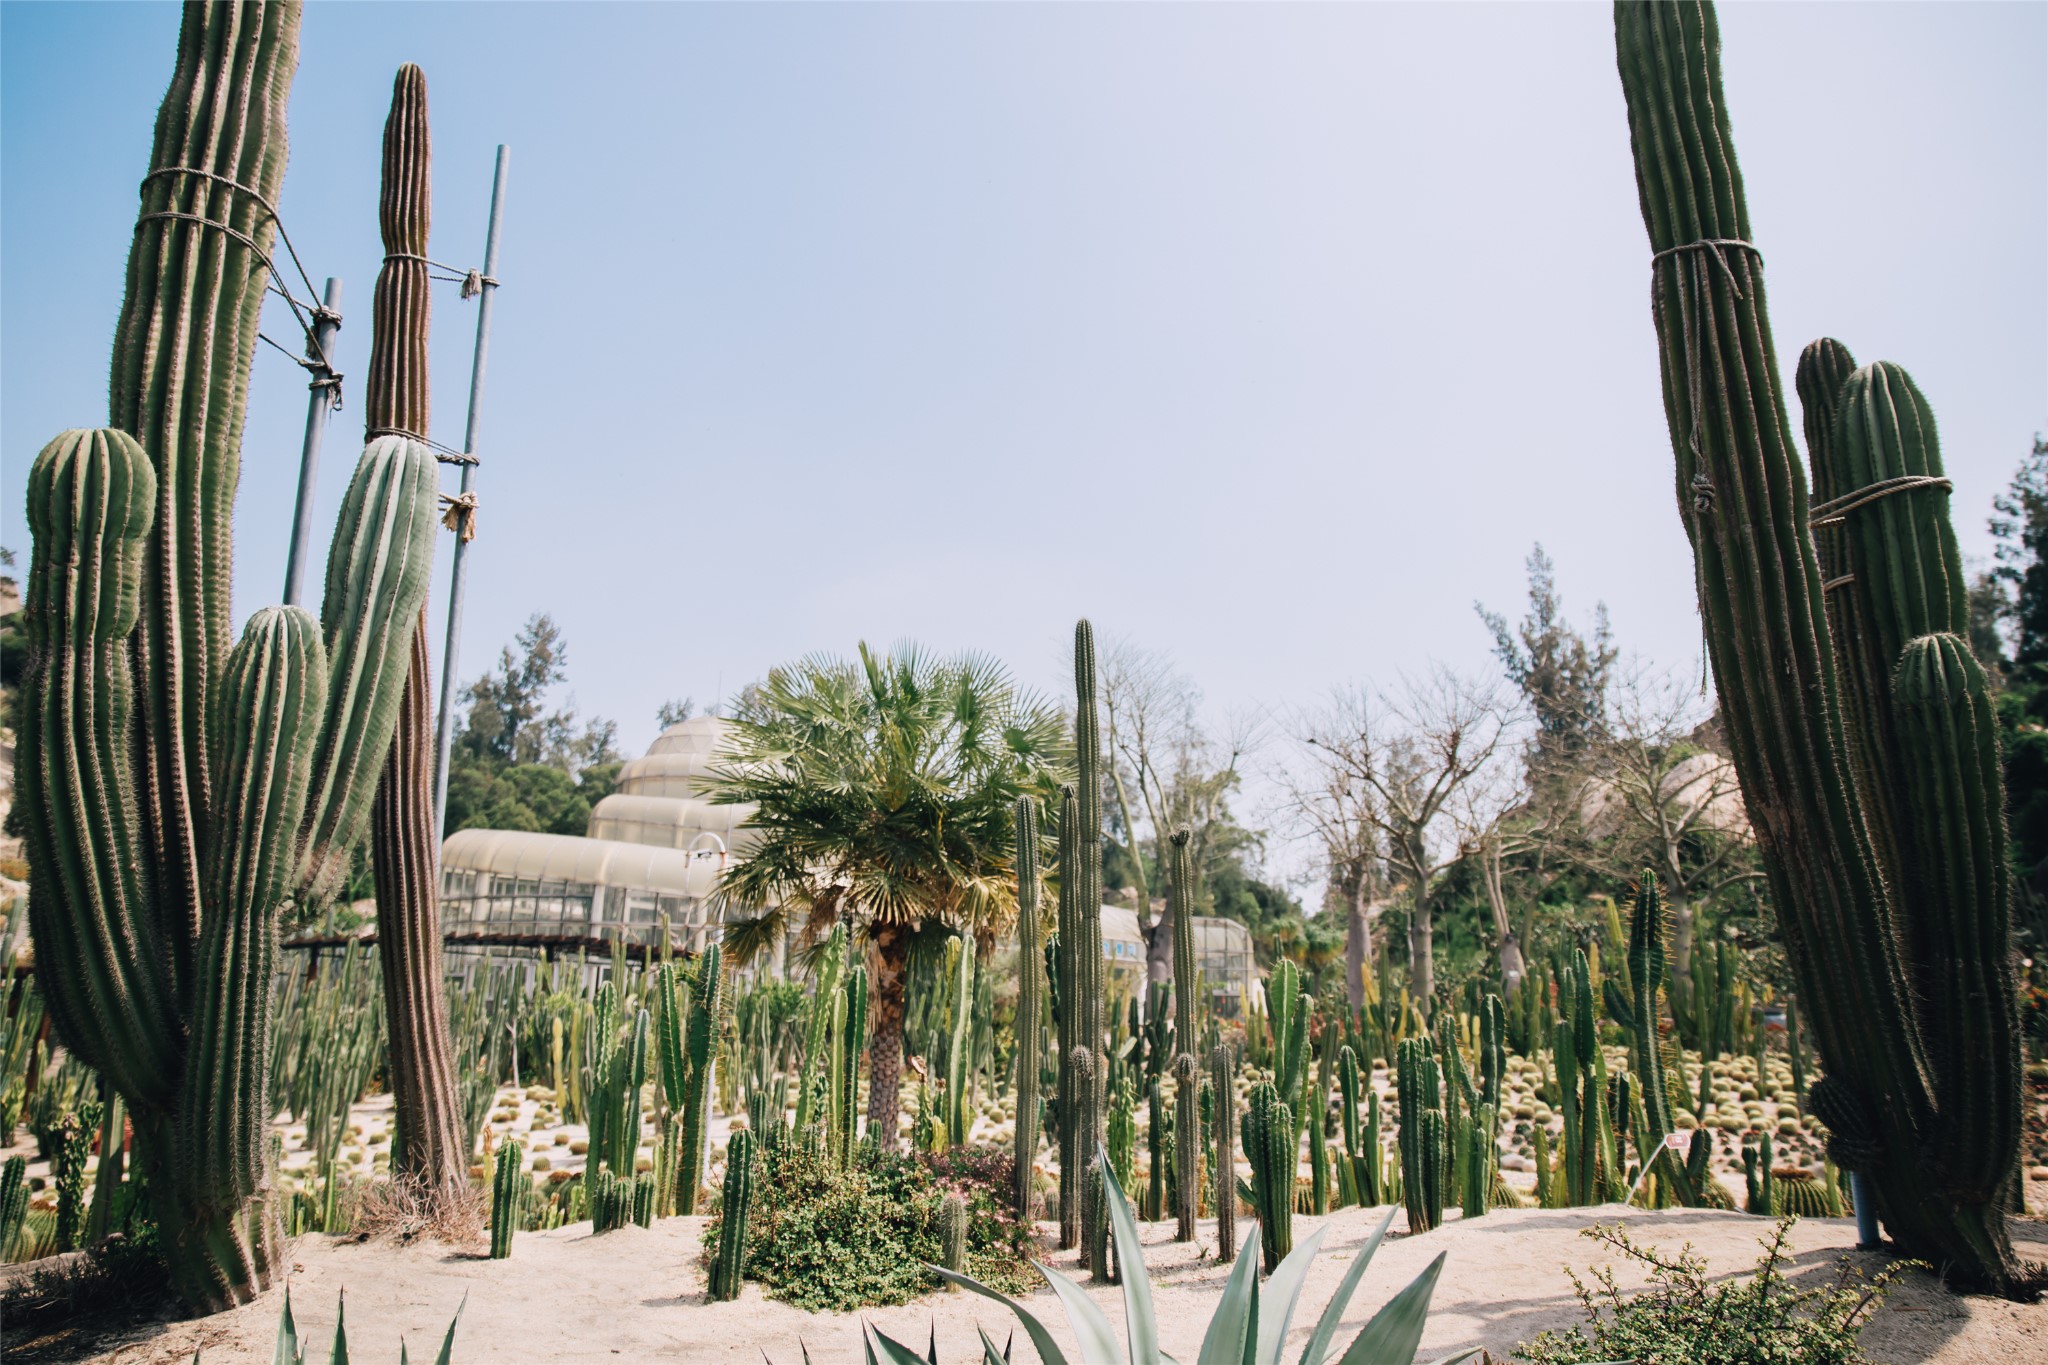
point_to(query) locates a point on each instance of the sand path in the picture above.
(638, 1295)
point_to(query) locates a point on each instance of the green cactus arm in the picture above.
(104, 957)
(179, 382)
(1948, 749)
(378, 573)
(270, 704)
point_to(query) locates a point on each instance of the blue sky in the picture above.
(1268, 337)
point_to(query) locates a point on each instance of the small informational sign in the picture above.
(1679, 1141)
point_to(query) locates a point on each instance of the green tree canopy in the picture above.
(884, 788)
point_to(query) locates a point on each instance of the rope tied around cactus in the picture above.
(307, 313)
(471, 280)
(458, 514)
(444, 454)
(1835, 511)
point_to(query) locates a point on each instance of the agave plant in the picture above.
(1249, 1326)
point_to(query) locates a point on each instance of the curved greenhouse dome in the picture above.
(514, 885)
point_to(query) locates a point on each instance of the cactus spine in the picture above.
(1223, 1126)
(506, 1179)
(431, 1141)
(1030, 1001)
(1187, 1120)
(1874, 779)
(736, 1203)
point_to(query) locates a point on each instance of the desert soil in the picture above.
(638, 1295)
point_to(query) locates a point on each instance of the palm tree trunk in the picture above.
(885, 1047)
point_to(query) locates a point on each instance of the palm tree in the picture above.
(885, 790)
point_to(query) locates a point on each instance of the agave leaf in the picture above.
(1223, 1343)
(1283, 1289)
(1396, 1330)
(288, 1352)
(1139, 1322)
(896, 1351)
(989, 1354)
(1049, 1352)
(1326, 1327)
(1458, 1357)
(338, 1353)
(1091, 1327)
(448, 1342)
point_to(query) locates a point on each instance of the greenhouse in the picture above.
(519, 888)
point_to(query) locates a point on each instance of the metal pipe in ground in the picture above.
(444, 730)
(326, 387)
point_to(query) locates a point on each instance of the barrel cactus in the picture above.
(1860, 724)
(181, 795)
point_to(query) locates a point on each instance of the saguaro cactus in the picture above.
(1030, 1001)
(1869, 763)
(1187, 1099)
(431, 1144)
(179, 795)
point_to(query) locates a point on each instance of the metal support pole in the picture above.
(444, 731)
(326, 392)
(1867, 1238)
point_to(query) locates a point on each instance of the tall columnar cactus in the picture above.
(1030, 1002)
(1648, 968)
(1589, 1160)
(13, 1204)
(1424, 1137)
(1067, 1026)
(953, 1234)
(1158, 1152)
(706, 999)
(849, 1043)
(1270, 1144)
(431, 1146)
(815, 1083)
(959, 1053)
(179, 795)
(1187, 1121)
(1223, 1130)
(507, 1178)
(1873, 784)
(1089, 995)
(736, 1204)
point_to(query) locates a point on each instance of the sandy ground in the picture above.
(638, 1295)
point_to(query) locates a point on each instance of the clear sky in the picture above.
(1271, 337)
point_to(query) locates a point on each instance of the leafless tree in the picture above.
(1428, 760)
(1327, 799)
(1652, 794)
(1182, 774)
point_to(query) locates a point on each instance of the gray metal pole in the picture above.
(444, 730)
(320, 358)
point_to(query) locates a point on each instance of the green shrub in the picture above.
(827, 1238)
(1683, 1318)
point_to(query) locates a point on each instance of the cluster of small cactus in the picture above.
(736, 1202)
(1591, 1160)
(1860, 722)
(618, 1075)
